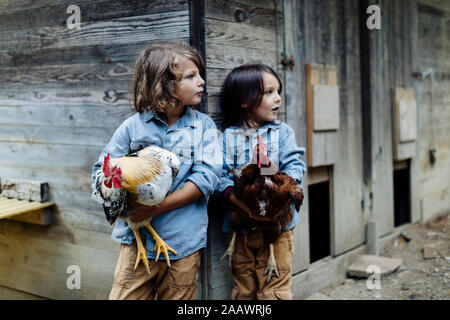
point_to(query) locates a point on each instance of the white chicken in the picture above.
(145, 176)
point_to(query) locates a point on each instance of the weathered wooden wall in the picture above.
(332, 37)
(316, 32)
(388, 60)
(62, 94)
(433, 96)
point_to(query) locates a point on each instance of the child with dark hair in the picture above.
(250, 101)
(168, 81)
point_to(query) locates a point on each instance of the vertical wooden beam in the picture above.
(295, 89)
(366, 93)
(197, 40)
(415, 171)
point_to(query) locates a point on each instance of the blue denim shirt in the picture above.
(194, 138)
(238, 146)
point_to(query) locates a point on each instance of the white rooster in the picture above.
(145, 176)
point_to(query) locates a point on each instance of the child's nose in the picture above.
(201, 82)
(277, 97)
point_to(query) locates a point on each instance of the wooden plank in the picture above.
(10, 207)
(23, 259)
(435, 8)
(99, 76)
(294, 96)
(321, 144)
(114, 95)
(39, 155)
(67, 231)
(110, 53)
(153, 27)
(62, 179)
(403, 164)
(242, 13)
(406, 149)
(236, 35)
(90, 11)
(24, 189)
(326, 107)
(12, 294)
(347, 220)
(44, 134)
(227, 57)
(67, 115)
(318, 175)
(40, 217)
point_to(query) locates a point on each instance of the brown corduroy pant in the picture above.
(250, 261)
(163, 283)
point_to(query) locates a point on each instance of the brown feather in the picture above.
(277, 191)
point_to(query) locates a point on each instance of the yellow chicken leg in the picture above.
(160, 244)
(141, 251)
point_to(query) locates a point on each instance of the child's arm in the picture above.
(290, 154)
(179, 198)
(203, 180)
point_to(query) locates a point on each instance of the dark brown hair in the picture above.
(156, 75)
(243, 85)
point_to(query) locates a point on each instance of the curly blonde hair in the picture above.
(156, 75)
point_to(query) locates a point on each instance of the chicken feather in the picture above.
(269, 199)
(145, 176)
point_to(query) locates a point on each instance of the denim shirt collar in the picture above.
(187, 119)
(252, 132)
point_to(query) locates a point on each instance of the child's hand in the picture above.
(139, 212)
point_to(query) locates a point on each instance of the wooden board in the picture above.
(321, 144)
(26, 211)
(405, 124)
(23, 15)
(326, 107)
(319, 174)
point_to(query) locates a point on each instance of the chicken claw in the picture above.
(230, 250)
(160, 245)
(271, 264)
(141, 252)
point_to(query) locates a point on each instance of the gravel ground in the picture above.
(417, 278)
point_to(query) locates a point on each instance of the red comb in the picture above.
(262, 153)
(106, 166)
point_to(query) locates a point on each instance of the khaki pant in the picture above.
(250, 262)
(163, 283)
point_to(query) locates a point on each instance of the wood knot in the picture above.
(240, 16)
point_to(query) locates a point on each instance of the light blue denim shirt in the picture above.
(195, 139)
(279, 138)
